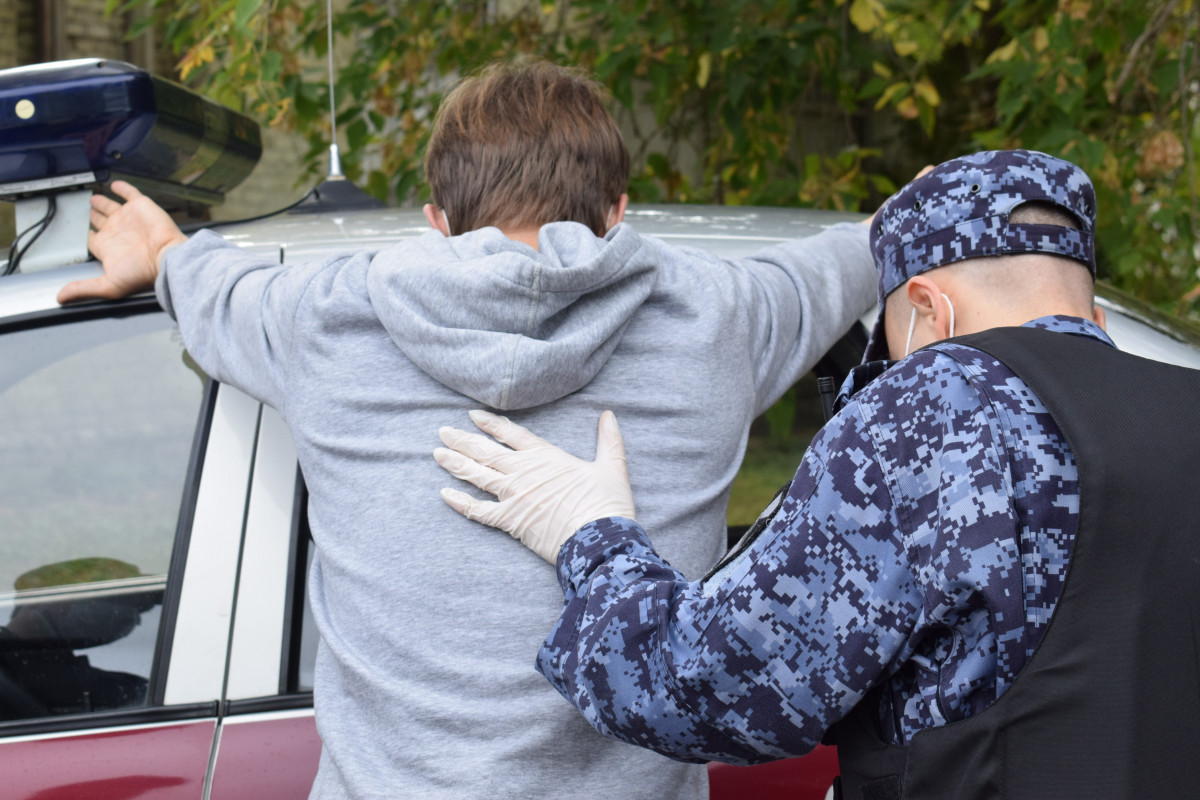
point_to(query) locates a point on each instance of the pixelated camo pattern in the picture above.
(960, 210)
(923, 544)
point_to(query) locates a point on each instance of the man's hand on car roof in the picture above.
(129, 239)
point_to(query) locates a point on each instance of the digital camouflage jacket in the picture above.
(921, 546)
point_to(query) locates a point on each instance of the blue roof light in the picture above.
(91, 120)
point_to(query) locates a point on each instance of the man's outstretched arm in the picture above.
(236, 309)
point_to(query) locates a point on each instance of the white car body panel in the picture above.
(262, 586)
(202, 627)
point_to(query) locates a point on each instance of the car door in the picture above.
(123, 493)
(267, 744)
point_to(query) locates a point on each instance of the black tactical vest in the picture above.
(1108, 706)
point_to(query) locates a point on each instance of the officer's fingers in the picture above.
(470, 471)
(505, 430)
(609, 444)
(473, 446)
(475, 510)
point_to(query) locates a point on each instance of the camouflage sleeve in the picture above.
(757, 660)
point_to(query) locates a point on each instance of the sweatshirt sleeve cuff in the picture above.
(201, 240)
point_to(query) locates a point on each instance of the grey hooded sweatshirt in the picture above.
(430, 623)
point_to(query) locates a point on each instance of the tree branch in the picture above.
(1152, 30)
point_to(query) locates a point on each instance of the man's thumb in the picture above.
(90, 289)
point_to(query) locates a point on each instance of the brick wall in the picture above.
(89, 34)
(8, 33)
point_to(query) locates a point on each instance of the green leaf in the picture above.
(140, 25)
(377, 185)
(246, 9)
(658, 165)
(271, 64)
(1106, 38)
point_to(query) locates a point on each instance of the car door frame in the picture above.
(169, 745)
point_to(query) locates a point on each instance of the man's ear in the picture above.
(1099, 317)
(926, 298)
(616, 214)
(436, 219)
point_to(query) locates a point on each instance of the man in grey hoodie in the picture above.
(543, 305)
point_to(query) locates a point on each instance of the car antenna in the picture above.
(335, 161)
(335, 193)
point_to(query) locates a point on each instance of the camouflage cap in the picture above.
(959, 210)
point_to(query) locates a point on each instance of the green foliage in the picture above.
(828, 103)
(1113, 86)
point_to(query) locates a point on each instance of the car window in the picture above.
(97, 419)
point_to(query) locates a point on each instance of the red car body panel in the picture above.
(806, 778)
(266, 758)
(166, 762)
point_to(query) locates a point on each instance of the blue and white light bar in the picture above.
(72, 123)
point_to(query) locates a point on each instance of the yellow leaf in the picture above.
(703, 69)
(881, 70)
(866, 14)
(1005, 53)
(1041, 40)
(196, 57)
(284, 105)
(889, 93)
(907, 108)
(906, 48)
(927, 92)
(983, 5)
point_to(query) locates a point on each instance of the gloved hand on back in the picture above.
(544, 494)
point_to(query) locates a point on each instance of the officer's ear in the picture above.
(1099, 317)
(933, 311)
(922, 295)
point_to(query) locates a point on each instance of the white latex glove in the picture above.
(545, 494)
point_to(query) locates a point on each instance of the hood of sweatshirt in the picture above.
(507, 325)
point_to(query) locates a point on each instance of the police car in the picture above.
(154, 636)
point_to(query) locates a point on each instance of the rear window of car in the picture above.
(97, 419)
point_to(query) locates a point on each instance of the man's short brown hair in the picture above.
(519, 146)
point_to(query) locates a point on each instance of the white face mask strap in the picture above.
(446, 219)
(912, 324)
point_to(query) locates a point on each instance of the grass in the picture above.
(770, 463)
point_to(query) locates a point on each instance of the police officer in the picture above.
(984, 578)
